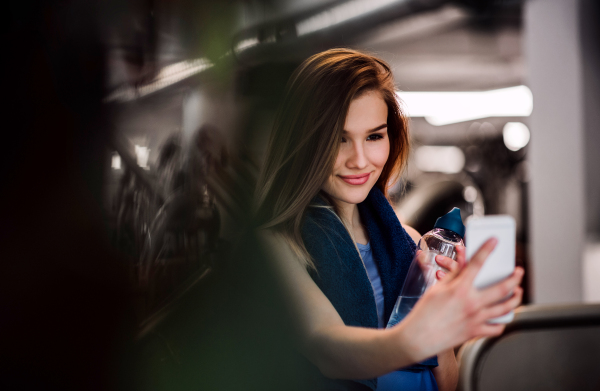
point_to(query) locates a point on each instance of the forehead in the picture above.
(366, 112)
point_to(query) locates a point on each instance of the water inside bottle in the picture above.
(403, 306)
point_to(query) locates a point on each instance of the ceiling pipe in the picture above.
(341, 22)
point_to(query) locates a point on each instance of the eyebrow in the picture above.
(382, 126)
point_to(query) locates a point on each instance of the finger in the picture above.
(478, 259)
(460, 262)
(505, 307)
(499, 291)
(461, 257)
(447, 263)
(440, 274)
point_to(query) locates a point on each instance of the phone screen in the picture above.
(501, 262)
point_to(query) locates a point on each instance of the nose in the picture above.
(357, 158)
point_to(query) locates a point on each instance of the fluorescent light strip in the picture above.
(340, 13)
(167, 76)
(443, 108)
(245, 44)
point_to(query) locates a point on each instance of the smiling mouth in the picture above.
(360, 179)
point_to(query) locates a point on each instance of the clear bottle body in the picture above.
(442, 241)
(422, 272)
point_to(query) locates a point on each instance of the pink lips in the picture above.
(355, 179)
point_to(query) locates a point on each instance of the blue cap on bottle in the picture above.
(452, 222)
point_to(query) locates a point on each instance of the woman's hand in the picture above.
(449, 264)
(454, 311)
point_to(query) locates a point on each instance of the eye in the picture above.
(374, 137)
(343, 139)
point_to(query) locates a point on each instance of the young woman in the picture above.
(339, 141)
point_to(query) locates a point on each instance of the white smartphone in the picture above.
(501, 262)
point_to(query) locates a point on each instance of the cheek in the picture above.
(381, 154)
(339, 162)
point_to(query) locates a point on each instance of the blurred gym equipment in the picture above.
(545, 348)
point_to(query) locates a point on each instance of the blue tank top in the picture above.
(404, 380)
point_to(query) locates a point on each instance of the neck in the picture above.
(349, 214)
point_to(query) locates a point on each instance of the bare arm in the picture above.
(413, 233)
(447, 315)
(446, 373)
(339, 351)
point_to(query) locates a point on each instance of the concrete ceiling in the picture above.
(444, 50)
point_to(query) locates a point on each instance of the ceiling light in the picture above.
(516, 135)
(245, 44)
(116, 161)
(442, 108)
(167, 76)
(142, 154)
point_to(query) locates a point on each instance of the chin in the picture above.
(355, 196)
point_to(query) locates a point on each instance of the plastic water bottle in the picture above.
(447, 233)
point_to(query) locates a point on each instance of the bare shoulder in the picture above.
(312, 308)
(414, 234)
(269, 238)
(285, 258)
(275, 243)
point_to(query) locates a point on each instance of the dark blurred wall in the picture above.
(67, 308)
(64, 297)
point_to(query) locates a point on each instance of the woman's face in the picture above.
(364, 150)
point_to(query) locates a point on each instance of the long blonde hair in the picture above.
(306, 136)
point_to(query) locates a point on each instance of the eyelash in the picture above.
(374, 137)
(371, 137)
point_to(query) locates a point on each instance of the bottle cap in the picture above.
(452, 222)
